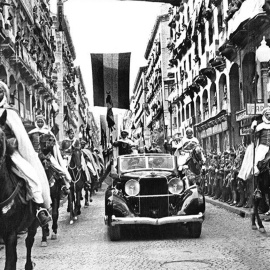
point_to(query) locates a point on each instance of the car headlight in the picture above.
(132, 187)
(175, 186)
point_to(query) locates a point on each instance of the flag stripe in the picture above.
(98, 79)
(123, 80)
(111, 75)
(110, 72)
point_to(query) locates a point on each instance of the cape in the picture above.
(26, 150)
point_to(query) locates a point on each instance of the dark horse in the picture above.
(15, 213)
(193, 165)
(261, 189)
(78, 180)
(47, 142)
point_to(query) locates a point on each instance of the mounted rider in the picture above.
(185, 147)
(55, 159)
(262, 133)
(67, 145)
(25, 159)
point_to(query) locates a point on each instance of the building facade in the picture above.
(27, 58)
(149, 101)
(213, 48)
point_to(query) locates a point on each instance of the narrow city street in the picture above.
(227, 242)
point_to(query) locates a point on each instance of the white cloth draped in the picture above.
(27, 161)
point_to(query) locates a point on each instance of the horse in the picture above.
(193, 166)
(47, 142)
(16, 214)
(262, 189)
(78, 180)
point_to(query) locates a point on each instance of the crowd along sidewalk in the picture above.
(241, 211)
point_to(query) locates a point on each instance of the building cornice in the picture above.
(160, 18)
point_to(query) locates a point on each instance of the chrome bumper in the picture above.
(156, 221)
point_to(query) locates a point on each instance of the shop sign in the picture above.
(250, 108)
(244, 131)
(240, 115)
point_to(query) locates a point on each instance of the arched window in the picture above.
(205, 105)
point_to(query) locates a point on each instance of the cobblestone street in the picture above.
(227, 242)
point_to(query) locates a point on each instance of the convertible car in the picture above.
(146, 189)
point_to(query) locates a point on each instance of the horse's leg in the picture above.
(256, 212)
(253, 215)
(78, 202)
(29, 241)
(70, 206)
(10, 241)
(45, 233)
(55, 215)
(86, 201)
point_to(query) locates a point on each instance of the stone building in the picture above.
(213, 47)
(149, 104)
(27, 58)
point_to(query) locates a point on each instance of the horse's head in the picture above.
(47, 142)
(197, 154)
(76, 157)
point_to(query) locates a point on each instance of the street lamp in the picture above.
(263, 56)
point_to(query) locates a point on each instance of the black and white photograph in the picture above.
(134, 134)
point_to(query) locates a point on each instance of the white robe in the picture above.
(26, 160)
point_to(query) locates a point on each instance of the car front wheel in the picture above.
(114, 232)
(195, 229)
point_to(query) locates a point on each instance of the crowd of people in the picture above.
(230, 176)
(224, 177)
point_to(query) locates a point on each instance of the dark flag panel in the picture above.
(111, 75)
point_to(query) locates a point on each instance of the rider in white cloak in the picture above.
(27, 163)
(56, 159)
(184, 148)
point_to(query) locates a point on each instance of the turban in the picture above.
(266, 110)
(189, 129)
(124, 132)
(40, 116)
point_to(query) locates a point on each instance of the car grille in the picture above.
(155, 207)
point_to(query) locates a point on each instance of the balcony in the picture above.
(25, 64)
(8, 46)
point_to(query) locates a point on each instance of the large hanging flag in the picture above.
(111, 74)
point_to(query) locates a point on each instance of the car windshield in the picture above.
(147, 162)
